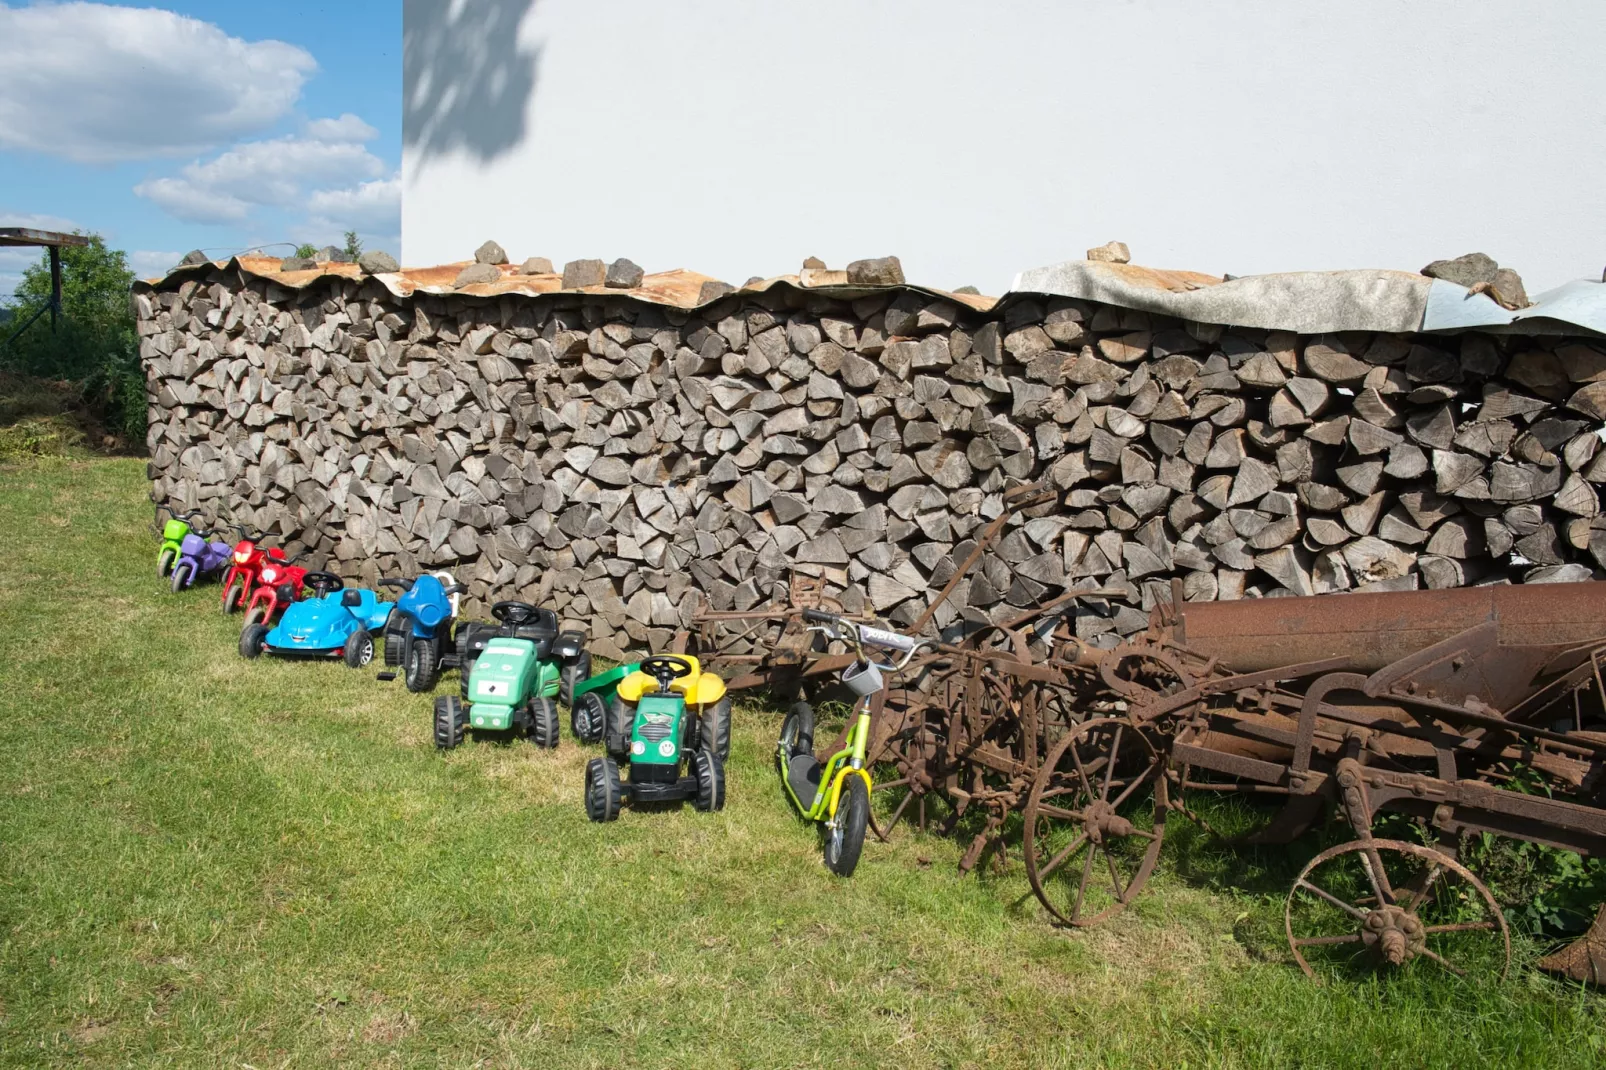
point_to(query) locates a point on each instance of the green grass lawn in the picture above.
(205, 861)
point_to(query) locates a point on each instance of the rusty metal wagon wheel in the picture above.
(1369, 904)
(1095, 821)
(908, 759)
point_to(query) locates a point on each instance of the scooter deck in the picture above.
(803, 775)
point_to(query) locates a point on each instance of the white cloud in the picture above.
(150, 263)
(371, 208)
(276, 172)
(346, 128)
(37, 221)
(97, 83)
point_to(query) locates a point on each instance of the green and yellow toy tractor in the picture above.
(673, 743)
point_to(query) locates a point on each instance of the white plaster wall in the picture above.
(736, 137)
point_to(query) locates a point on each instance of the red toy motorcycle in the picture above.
(279, 582)
(245, 566)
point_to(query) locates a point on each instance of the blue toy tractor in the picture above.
(334, 622)
(418, 635)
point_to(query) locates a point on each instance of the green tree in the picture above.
(306, 250)
(353, 246)
(94, 284)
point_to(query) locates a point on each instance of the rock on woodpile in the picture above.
(623, 461)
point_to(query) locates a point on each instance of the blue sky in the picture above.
(176, 126)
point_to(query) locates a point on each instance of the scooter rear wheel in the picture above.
(181, 576)
(233, 597)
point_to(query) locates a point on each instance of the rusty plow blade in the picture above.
(1585, 958)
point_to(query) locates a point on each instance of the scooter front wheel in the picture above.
(181, 576)
(164, 562)
(845, 841)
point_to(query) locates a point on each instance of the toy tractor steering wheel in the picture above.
(323, 584)
(514, 613)
(666, 669)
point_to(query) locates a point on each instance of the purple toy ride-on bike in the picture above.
(197, 558)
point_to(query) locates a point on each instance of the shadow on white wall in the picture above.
(466, 80)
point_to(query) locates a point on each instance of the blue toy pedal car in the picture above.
(333, 622)
(418, 635)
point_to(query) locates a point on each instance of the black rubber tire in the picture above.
(572, 675)
(451, 722)
(423, 664)
(544, 730)
(853, 814)
(164, 563)
(233, 597)
(180, 571)
(359, 649)
(256, 616)
(251, 639)
(715, 735)
(797, 734)
(587, 717)
(396, 629)
(603, 792)
(616, 734)
(710, 773)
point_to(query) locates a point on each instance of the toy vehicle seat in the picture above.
(700, 688)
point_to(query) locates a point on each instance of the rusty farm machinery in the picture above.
(1417, 717)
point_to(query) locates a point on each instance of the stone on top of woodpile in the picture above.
(536, 265)
(490, 253)
(1114, 252)
(297, 263)
(377, 262)
(329, 254)
(624, 274)
(193, 257)
(582, 273)
(881, 271)
(476, 273)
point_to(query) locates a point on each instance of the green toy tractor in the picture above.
(681, 714)
(513, 674)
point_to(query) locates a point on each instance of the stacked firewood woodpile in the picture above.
(622, 460)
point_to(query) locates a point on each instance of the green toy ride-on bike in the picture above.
(664, 738)
(837, 791)
(517, 672)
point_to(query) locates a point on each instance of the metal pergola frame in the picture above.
(52, 240)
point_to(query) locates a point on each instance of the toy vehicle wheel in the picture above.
(616, 736)
(233, 597)
(164, 561)
(252, 639)
(423, 663)
(710, 773)
(359, 648)
(256, 616)
(181, 574)
(587, 717)
(603, 791)
(451, 721)
(575, 671)
(544, 731)
(715, 737)
(844, 842)
(395, 637)
(797, 732)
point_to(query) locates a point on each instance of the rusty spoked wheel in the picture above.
(1095, 821)
(908, 764)
(1371, 904)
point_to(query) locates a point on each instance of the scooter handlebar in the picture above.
(820, 616)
